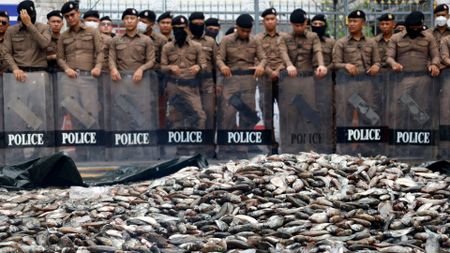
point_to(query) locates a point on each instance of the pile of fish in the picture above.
(282, 203)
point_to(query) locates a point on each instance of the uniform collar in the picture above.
(436, 29)
(82, 27)
(405, 33)
(137, 34)
(380, 37)
(266, 34)
(300, 35)
(236, 37)
(196, 38)
(350, 37)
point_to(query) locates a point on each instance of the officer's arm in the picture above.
(98, 50)
(391, 52)
(7, 46)
(112, 57)
(41, 35)
(214, 54)
(434, 53)
(222, 54)
(60, 55)
(284, 53)
(262, 59)
(317, 50)
(338, 55)
(165, 67)
(444, 51)
(150, 55)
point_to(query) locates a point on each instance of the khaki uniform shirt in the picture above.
(445, 52)
(185, 57)
(327, 52)
(413, 54)
(240, 54)
(159, 41)
(382, 49)
(209, 48)
(52, 50)
(3, 63)
(27, 46)
(131, 53)
(362, 53)
(304, 49)
(275, 49)
(438, 35)
(80, 49)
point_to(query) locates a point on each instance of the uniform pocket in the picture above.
(19, 42)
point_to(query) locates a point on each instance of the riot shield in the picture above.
(79, 113)
(241, 132)
(444, 117)
(360, 122)
(28, 114)
(413, 116)
(306, 119)
(186, 131)
(2, 133)
(133, 118)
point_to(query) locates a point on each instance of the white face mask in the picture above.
(91, 24)
(440, 21)
(142, 27)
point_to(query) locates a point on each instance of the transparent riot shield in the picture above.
(412, 115)
(133, 118)
(187, 130)
(305, 104)
(79, 117)
(360, 124)
(444, 117)
(2, 133)
(241, 130)
(28, 114)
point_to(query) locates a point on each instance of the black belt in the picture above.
(242, 72)
(33, 69)
(185, 82)
(284, 74)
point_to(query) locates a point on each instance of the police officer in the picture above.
(413, 39)
(182, 59)
(355, 53)
(303, 48)
(106, 26)
(319, 26)
(55, 22)
(241, 59)
(209, 47)
(441, 15)
(91, 18)
(146, 21)
(357, 103)
(131, 51)
(387, 26)
(26, 42)
(212, 27)
(165, 25)
(411, 95)
(4, 23)
(273, 45)
(79, 47)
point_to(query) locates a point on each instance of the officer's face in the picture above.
(387, 27)
(72, 18)
(147, 22)
(270, 22)
(442, 14)
(299, 28)
(400, 28)
(55, 24)
(105, 26)
(318, 23)
(355, 25)
(4, 23)
(243, 33)
(130, 22)
(92, 19)
(165, 26)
